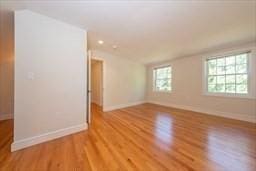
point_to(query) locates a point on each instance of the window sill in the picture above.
(243, 96)
(155, 91)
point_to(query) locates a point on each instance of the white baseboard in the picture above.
(17, 145)
(236, 116)
(110, 108)
(6, 116)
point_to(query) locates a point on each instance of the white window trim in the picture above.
(154, 80)
(251, 69)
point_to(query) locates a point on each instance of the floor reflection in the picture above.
(163, 128)
(228, 152)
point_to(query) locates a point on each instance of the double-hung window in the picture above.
(228, 75)
(162, 79)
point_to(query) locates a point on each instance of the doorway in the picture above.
(96, 85)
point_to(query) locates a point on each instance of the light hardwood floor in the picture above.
(144, 137)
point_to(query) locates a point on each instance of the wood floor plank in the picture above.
(143, 137)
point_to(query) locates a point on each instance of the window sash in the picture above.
(225, 75)
(229, 55)
(156, 79)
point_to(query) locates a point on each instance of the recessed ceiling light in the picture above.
(100, 42)
(114, 46)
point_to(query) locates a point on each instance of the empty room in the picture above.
(109, 85)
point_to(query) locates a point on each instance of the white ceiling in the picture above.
(152, 31)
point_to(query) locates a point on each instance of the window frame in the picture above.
(154, 78)
(251, 81)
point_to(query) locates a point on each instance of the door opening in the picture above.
(95, 87)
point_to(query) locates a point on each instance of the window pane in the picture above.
(212, 88)
(230, 60)
(241, 68)
(228, 74)
(241, 59)
(230, 69)
(220, 70)
(163, 73)
(220, 88)
(162, 79)
(160, 73)
(212, 80)
(230, 88)
(230, 79)
(163, 84)
(241, 79)
(159, 84)
(221, 62)
(212, 71)
(241, 88)
(212, 62)
(212, 67)
(168, 86)
(221, 79)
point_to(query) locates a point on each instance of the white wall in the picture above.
(97, 82)
(50, 79)
(187, 93)
(124, 81)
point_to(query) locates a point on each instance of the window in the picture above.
(228, 75)
(162, 79)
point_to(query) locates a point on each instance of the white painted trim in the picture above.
(20, 144)
(110, 108)
(250, 72)
(236, 116)
(6, 116)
